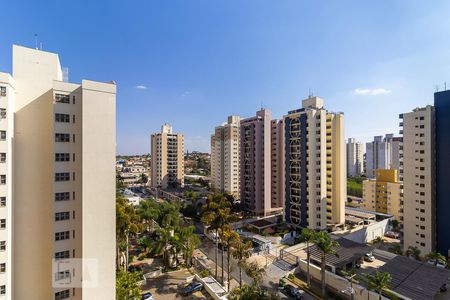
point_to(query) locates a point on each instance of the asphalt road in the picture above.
(271, 280)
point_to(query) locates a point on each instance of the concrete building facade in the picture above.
(167, 149)
(384, 194)
(442, 106)
(58, 181)
(225, 175)
(277, 166)
(418, 175)
(315, 166)
(355, 159)
(255, 163)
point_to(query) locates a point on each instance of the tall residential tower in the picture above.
(57, 182)
(225, 157)
(167, 149)
(418, 175)
(315, 166)
(355, 160)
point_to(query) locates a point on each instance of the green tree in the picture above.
(164, 245)
(127, 223)
(326, 246)
(241, 252)
(253, 292)
(395, 225)
(188, 242)
(414, 252)
(396, 248)
(127, 285)
(255, 272)
(307, 236)
(378, 241)
(436, 257)
(216, 214)
(379, 281)
(230, 238)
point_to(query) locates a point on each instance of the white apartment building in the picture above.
(383, 153)
(315, 172)
(355, 160)
(167, 150)
(418, 175)
(225, 157)
(57, 190)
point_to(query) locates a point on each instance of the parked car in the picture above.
(192, 288)
(392, 234)
(437, 263)
(147, 296)
(293, 292)
(369, 257)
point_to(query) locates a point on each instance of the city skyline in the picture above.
(186, 60)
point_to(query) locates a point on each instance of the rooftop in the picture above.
(415, 279)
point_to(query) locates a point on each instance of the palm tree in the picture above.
(326, 245)
(414, 252)
(379, 281)
(163, 246)
(230, 238)
(127, 223)
(436, 257)
(378, 241)
(187, 241)
(241, 252)
(307, 236)
(255, 272)
(216, 214)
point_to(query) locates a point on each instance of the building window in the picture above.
(62, 275)
(2, 179)
(3, 113)
(61, 98)
(62, 118)
(2, 201)
(62, 254)
(63, 235)
(65, 196)
(73, 119)
(2, 245)
(62, 176)
(62, 156)
(2, 223)
(62, 295)
(62, 137)
(2, 157)
(62, 216)
(3, 91)
(2, 135)
(2, 268)
(2, 289)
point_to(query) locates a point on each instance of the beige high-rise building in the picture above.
(225, 157)
(315, 173)
(417, 171)
(167, 150)
(384, 194)
(57, 193)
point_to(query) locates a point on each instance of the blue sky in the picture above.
(194, 62)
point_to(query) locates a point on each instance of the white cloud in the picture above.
(372, 92)
(140, 87)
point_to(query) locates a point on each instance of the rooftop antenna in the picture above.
(262, 105)
(445, 85)
(36, 40)
(40, 46)
(437, 88)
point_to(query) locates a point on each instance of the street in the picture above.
(270, 282)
